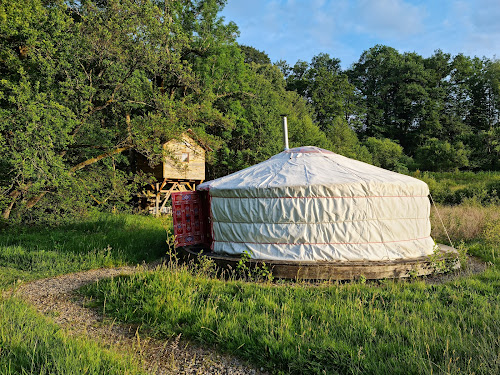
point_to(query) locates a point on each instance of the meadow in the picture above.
(408, 326)
(452, 188)
(101, 240)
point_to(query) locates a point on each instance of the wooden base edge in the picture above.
(446, 258)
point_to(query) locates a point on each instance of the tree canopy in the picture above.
(84, 82)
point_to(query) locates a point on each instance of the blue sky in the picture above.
(299, 29)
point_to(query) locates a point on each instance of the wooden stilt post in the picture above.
(157, 203)
(167, 196)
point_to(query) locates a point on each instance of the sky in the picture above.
(293, 30)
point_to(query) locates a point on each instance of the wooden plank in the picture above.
(193, 168)
(157, 200)
(322, 270)
(167, 196)
(163, 184)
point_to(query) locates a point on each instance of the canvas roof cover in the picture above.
(310, 204)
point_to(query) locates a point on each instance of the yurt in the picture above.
(308, 204)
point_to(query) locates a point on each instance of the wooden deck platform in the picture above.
(323, 270)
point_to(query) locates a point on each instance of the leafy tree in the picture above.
(386, 154)
(326, 87)
(254, 55)
(395, 89)
(437, 155)
(257, 134)
(84, 83)
(483, 116)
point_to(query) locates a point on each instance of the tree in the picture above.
(83, 83)
(336, 112)
(437, 155)
(257, 134)
(395, 88)
(386, 154)
(253, 55)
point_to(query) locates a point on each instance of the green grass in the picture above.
(32, 252)
(355, 328)
(458, 187)
(383, 327)
(31, 344)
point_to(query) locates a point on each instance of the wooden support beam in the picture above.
(157, 200)
(163, 184)
(167, 196)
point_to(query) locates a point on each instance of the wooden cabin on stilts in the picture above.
(182, 169)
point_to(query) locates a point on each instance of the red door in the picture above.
(190, 213)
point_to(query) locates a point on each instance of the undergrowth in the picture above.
(453, 188)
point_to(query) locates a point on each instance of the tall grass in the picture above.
(30, 344)
(464, 222)
(478, 226)
(388, 327)
(31, 252)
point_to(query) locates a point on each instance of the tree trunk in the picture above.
(97, 158)
(35, 200)
(15, 194)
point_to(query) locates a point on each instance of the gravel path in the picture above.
(55, 297)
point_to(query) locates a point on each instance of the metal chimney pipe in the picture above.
(285, 132)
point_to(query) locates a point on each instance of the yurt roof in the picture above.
(314, 172)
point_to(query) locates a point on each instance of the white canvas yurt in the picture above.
(310, 204)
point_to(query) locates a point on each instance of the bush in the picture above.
(482, 188)
(387, 154)
(437, 155)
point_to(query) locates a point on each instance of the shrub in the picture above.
(386, 154)
(437, 155)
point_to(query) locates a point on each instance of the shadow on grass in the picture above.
(100, 241)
